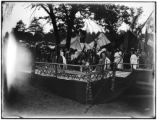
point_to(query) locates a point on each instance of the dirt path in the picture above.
(35, 102)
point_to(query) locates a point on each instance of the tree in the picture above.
(20, 26)
(67, 21)
(19, 30)
(49, 9)
(111, 16)
(63, 19)
(35, 26)
(70, 12)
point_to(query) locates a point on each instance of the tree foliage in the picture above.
(67, 19)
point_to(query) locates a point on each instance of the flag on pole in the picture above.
(150, 32)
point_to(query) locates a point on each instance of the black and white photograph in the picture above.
(78, 59)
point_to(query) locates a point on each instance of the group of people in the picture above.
(123, 60)
(133, 59)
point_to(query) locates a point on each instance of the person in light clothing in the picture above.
(134, 60)
(63, 59)
(120, 65)
(118, 59)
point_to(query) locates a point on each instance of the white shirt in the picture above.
(133, 59)
(64, 60)
(117, 57)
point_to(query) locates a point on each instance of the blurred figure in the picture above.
(138, 56)
(118, 59)
(73, 56)
(83, 63)
(143, 59)
(120, 65)
(133, 60)
(64, 59)
(104, 60)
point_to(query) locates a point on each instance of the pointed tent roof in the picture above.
(75, 43)
(92, 29)
(102, 40)
(94, 32)
(63, 42)
(124, 27)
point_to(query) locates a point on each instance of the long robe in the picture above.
(118, 60)
(134, 61)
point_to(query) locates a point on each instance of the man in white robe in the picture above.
(134, 61)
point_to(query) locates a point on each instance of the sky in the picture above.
(21, 11)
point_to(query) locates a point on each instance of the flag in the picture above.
(150, 31)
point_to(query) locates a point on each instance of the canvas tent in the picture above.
(124, 27)
(89, 46)
(94, 33)
(75, 43)
(102, 40)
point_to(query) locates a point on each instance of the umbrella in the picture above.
(91, 27)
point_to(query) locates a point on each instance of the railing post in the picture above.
(56, 70)
(131, 66)
(151, 66)
(33, 68)
(113, 77)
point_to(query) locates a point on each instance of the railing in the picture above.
(75, 72)
(130, 67)
(83, 72)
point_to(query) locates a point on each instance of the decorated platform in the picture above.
(88, 86)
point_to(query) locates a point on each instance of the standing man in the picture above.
(134, 60)
(64, 59)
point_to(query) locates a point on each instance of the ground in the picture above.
(28, 101)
